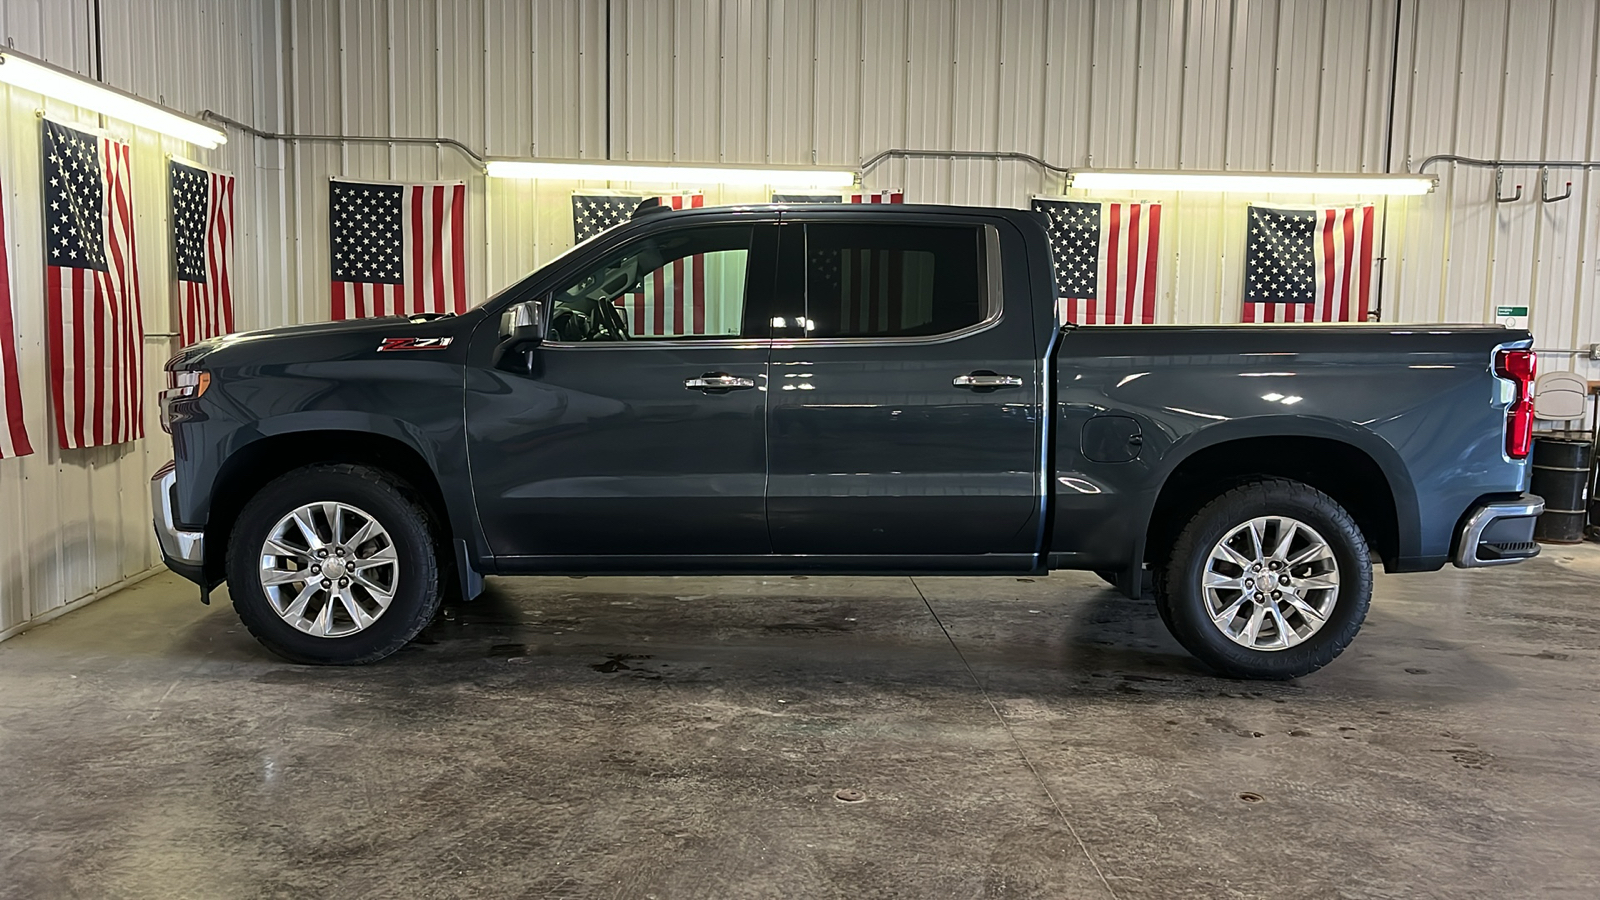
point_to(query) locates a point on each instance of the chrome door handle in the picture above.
(986, 381)
(719, 382)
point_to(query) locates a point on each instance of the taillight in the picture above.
(1518, 366)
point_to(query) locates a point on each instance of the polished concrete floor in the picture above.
(679, 737)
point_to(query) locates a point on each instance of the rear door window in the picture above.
(883, 280)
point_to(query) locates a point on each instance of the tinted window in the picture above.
(892, 280)
(683, 284)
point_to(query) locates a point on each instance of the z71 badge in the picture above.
(414, 343)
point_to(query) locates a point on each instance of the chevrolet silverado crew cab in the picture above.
(851, 389)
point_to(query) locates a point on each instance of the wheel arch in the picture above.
(252, 466)
(1360, 471)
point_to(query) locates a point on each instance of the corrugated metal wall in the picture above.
(74, 523)
(1287, 85)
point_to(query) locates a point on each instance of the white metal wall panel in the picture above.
(930, 72)
(1113, 87)
(1252, 83)
(1340, 123)
(1158, 112)
(78, 522)
(791, 87)
(696, 127)
(1202, 126)
(1069, 86)
(743, 111)
(1298, 77)
(1521, 127)
(837, 81)
(1023, 81)
(884, 88)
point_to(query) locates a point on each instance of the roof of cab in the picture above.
(658, 214)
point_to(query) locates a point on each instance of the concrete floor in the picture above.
(680, 737)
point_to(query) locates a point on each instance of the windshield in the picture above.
(550, 262)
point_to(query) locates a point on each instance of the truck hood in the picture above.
(317, 340)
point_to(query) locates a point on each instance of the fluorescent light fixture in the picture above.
(69, 87)
(1248, 182)
(577, 170)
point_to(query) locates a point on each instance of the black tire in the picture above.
(1182, 603)
(417, 592)
(1109, 578)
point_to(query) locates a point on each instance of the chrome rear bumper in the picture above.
(1499, 533)
(183, 547)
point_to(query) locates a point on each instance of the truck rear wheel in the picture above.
(1271, 580)
(333, 565)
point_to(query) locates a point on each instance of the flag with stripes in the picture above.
(879, 290)
(13, 431)
(856, 197)
(1106, 259)
(1308, 264)
(397, 249)
(202, 250)
(673, 299)
(94, 324)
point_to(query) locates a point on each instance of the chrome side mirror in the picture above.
(521, 330)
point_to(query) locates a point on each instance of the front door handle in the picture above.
(986, 381)
(719, 383)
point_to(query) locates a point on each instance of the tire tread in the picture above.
(426, 567)
(1302, 659)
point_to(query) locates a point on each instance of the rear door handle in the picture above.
(986, 381)
(719, 383)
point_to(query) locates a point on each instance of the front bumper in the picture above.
(1499, 533)
(183, 551)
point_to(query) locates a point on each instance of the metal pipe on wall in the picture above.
(1508, 163)
(466, 151)
(997, 155)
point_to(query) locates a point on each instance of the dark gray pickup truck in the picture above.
(837, 390)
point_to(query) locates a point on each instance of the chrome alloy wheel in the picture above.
(1270, 583)
(329, 569)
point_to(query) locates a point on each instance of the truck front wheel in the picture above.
(333, 565)
(1271, 580)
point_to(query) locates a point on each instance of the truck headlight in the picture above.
(177, 401)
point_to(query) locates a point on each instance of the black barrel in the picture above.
(1560, 472)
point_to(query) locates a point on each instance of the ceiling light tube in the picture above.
(1249, 182)
(580, 170)
(40, 77)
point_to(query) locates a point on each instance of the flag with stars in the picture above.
(856, 197)
(202, 250)
(673, 301)
(397, 249)
(594, 213)
(94, 324)
(13, 430)
(1308, 264)
(1106, 257)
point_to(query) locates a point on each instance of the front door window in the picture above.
(688, 284)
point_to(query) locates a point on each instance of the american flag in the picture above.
(93, 318)
(879, 291)
(1106, 256)
(673, 301)
(202, 249)
(13, 432)
(1308, 265)
(397, 249)
(857, 197)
